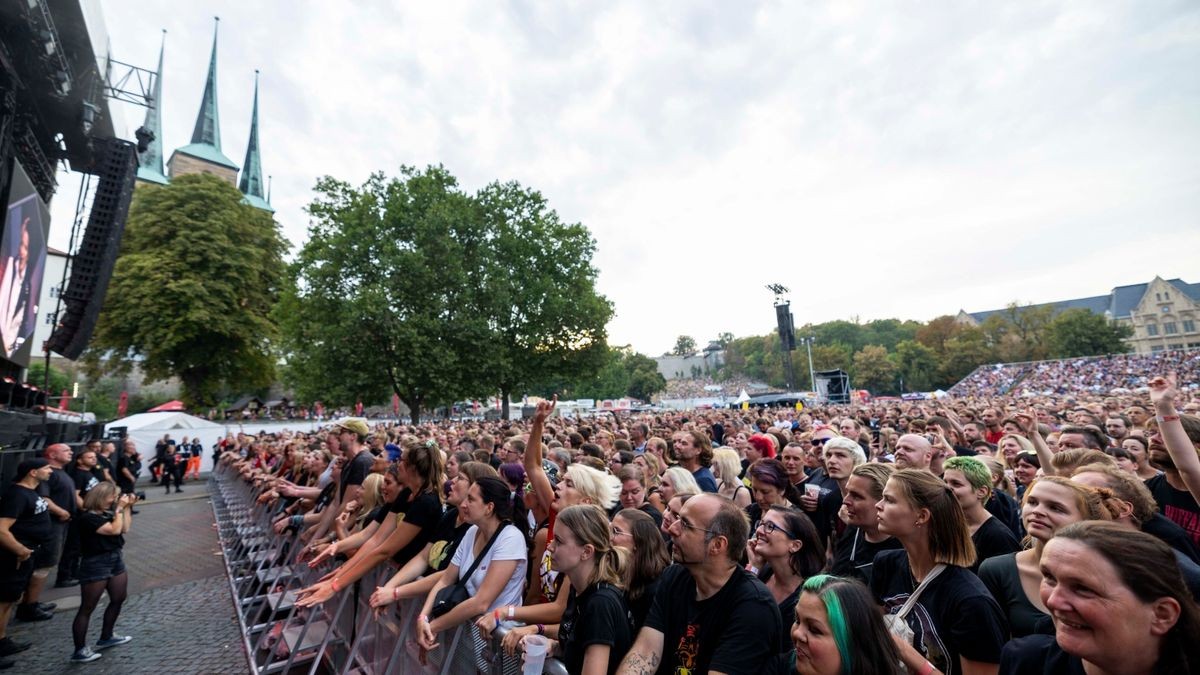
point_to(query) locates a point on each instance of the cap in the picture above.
(356, 425)
(28, 465)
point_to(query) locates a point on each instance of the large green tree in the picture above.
(537, 291)
(383, 294)
(1078, 332)
(916, 364)
(192, 291)
(873, 370)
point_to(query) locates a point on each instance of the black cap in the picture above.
(28, 465)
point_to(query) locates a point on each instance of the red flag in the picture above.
(358, 408)
(65, 403)
(396, 404)
(123, 404)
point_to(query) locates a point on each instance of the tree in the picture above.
(383, 295)
(937, 332)
(1078, 332)
(723, 339)
(916, 364)
(964, 352)
(873, 370)
(37, 377)
(684, 345)
(191, 293)
(538, 292)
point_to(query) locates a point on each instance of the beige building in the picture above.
(1162, 313)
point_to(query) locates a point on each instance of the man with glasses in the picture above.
(709, 615)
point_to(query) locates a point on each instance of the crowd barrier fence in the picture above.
(342, 636)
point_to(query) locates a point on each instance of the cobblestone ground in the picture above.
(179, 610)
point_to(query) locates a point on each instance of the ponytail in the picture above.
(589, 524)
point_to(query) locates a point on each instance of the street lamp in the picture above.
(812, 378)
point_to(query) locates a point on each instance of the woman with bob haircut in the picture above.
(1119, 605)
(678, 480)
(637, 533)
(770, 486)
(954, 626)
(726, 468)
(1051, 503)
(837, 630)
(103, 522)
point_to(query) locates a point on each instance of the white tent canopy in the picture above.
(146, 429)
(743, 397)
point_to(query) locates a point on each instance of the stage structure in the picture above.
(56, 81)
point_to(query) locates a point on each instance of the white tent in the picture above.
(147, 428)
(742, 397)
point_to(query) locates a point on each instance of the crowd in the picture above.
(707, 387)
(1044, 534)
(1091, 375)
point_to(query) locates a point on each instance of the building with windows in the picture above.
(1163, 313)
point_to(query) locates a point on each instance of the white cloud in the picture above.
(880, 159)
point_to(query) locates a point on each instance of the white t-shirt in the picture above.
(510, 545)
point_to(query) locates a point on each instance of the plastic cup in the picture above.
(813, 491)
(535, 655)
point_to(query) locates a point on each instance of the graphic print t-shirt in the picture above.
(1177, 505)
(954, 616)
(737, 630)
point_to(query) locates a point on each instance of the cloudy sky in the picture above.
(879, 159)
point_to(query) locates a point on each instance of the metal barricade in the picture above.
(343, 635)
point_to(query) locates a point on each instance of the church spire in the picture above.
(251, 183)
(208, 124)
(205, 149)
(150, 162)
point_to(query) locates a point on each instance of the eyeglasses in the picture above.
(690, 526)
(818, 441)
(771, 528)
(618, 532)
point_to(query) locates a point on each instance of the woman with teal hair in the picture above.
(838, 630)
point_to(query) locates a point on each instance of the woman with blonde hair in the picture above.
(726, 467)
(103, 522)
(1051, 503)
(677, 480)
(959, 628)
(595, 631)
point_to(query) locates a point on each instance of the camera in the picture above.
(141, 496)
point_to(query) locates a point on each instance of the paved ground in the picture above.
(179, 610)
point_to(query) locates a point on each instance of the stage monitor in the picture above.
(22, 265)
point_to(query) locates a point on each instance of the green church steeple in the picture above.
(150, 162)
(206, 136)
(251, 183)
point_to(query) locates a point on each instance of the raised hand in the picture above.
(1163, 392)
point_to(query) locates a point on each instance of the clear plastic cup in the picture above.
(535, 655)
(811, 490)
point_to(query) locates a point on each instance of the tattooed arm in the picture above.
(643, 658)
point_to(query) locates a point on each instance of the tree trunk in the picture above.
(504, 391)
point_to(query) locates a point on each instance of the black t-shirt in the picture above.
(423, 512)
(1172, 534)
(84, 479)
(1006, 509)
(640, 607)
(734, 631)
(599, 616)
(954, 616)
(1038, 655)
(91, 542)
(105, 464)
(854, 556)
(30, 513)
(1177, 505)
(62, 490)
(992, 539)
(325, 498)
(446, 538)
(356, 471)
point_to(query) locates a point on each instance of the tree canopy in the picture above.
(410, 285)
(192, 290)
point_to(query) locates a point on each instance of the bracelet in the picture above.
(422, 618)
(334, 583)
(751, 569)
(541, 629)
(928, 670)
(511, 610)
(1167, 418)
(396, 593)
(496, 615)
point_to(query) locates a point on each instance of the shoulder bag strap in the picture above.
(479, 558)
(912, 599)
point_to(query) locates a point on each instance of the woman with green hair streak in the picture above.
(838, 630)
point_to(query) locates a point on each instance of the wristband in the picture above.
(541, 629)
(422, 618)
(511, 610)
(1167, 418)
(496, 615)
(752, 569)
(928, 670)
(396, 593)
(334, 583)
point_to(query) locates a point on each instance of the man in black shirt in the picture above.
(60, 493)
(351, 433)
(24, 528)
(708, 615)
(85, 476)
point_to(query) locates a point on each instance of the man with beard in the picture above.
(709, 615)
(1173, 448)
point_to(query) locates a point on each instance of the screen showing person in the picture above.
(22, 262)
